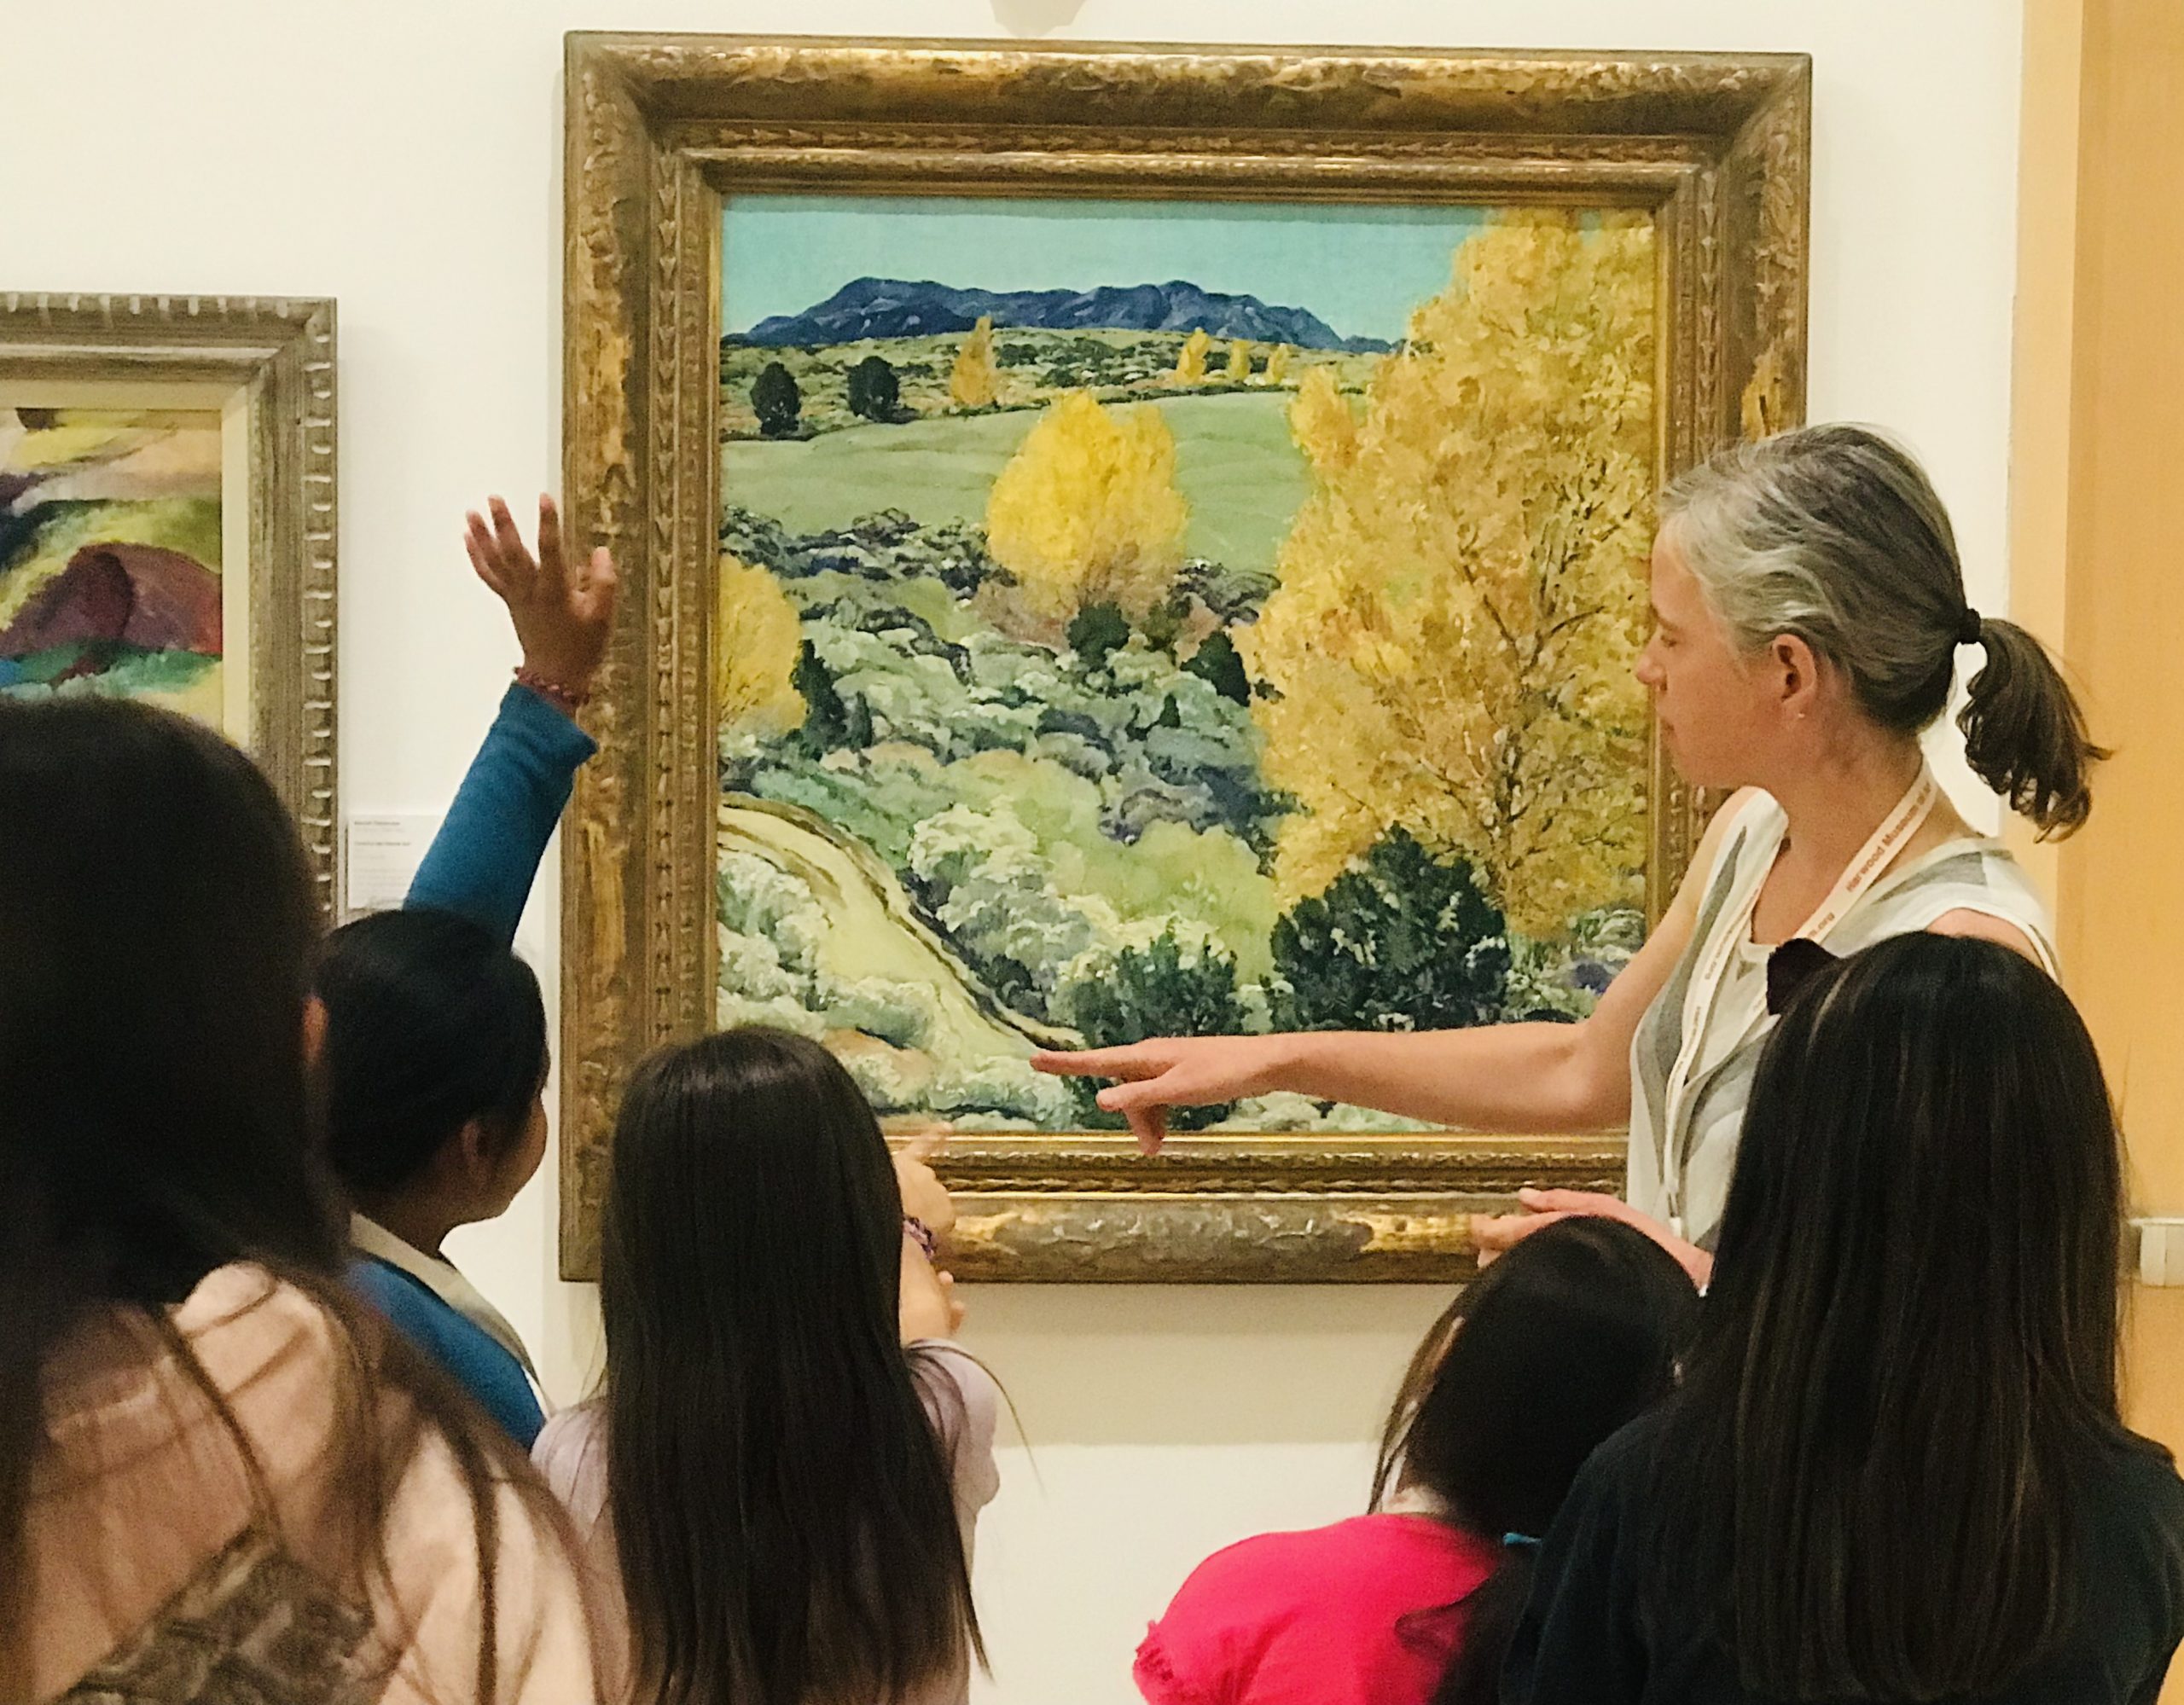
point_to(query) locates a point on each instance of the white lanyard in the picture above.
(1899, 825)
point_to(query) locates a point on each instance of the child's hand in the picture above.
(925, 1197)
(561, 617)
(1494, 1235)
(928, 1307)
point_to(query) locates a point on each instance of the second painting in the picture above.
(1150, 617)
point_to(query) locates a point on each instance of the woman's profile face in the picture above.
(1710, 708)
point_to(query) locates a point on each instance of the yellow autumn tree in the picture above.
(1190, 360)
(1240, 359)
(756, 645)
(1087, 510)
(975, 383)
(1461, 597)
(1277, 364)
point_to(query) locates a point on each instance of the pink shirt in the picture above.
(1329, 1616)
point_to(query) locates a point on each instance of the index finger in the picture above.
(1569, 1201)
(1120, 1062)
(924, 1146)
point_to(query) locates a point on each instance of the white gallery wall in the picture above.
(404, 157)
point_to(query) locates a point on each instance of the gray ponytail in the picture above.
(1835, 535)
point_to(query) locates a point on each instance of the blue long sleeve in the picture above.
(486, 856)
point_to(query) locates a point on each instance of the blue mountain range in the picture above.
(899, 308)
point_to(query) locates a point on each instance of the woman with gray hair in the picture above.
(1808, 607)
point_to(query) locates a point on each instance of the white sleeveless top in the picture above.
(1681, 1175)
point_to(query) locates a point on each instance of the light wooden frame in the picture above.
(658, 127)
(275, 358)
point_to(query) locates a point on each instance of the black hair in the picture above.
(1563, 1339)
(432, 1023)
(1916, 1287)
(783, 1505)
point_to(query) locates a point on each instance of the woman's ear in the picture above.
(1795, 669)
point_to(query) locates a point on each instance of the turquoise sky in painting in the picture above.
(1362, 269)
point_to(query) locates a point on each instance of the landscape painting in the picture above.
(111, 556)
(1170, 617)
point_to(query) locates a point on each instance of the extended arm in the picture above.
(1524, 1077)
(484, 860)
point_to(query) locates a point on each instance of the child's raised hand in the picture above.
(562, 616)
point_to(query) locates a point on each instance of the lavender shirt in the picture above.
(572, 1454)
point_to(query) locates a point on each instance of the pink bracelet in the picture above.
(921, 1234)
(569, 699)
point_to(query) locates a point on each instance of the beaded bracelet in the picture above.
(920, 1233)
(569, 699)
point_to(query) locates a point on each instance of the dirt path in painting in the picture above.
(875, 934)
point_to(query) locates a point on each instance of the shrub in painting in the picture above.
(1163, 989)
(1400, 941)
(975, 380)
(777, 400)
(875, 392)
(757, 650)
(1087, 510)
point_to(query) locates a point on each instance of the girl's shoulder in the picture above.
(963, 1402)
(2133, 1485)
(570, 1454)
(1346, 1614)
(1420, 1559)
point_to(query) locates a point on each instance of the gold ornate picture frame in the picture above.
(1711, 149)
(170, 520)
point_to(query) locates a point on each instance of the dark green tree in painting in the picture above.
(1217, 662)
(874, 391)
(829, 721)
(1097, 632)
(777, 400)
(1400, 935)
(1155, 991)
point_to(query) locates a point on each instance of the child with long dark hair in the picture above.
(1553, 1348)
(219, 1476)
(1896, 1468)
(778, 1485)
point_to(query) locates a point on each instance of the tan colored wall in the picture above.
(2124, 585)
(2097, 515)
(2097, 474)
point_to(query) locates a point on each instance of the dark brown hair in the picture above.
(1909, 1348)
(157, 930)
(783, 1505)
